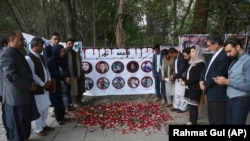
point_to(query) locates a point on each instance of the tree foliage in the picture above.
(142, 22)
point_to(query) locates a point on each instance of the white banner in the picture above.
(77, 45)
(125, 71)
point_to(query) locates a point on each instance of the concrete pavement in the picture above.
(72, 131)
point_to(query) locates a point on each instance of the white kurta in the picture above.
(179, 100)
(42, 100)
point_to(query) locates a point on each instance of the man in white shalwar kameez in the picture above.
(42, 79)
(179, 102)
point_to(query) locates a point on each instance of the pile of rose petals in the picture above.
(131, 116)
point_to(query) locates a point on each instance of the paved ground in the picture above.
(74, 132)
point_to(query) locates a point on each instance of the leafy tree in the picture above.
(141, 22)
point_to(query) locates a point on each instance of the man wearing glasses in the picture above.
(216, 94)
(238, 83)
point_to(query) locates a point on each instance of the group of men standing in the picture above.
(26, 81)
(225, 81)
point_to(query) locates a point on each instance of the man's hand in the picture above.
(171, 78)
(47, 85)
(33, 87)
(67, 80)
(162, 78)
(221, 80)
(181, 82)
(202, 85)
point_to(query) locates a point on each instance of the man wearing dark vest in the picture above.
(74, 70)
(42, 79)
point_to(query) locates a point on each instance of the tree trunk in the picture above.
(16, 14)
(185, 16)
(46, 22)
(68, 14)
(174, 19)
(119, 31)
(149, 22)
(94, 24)
(164, 30)
(225, 16)
(199, 22)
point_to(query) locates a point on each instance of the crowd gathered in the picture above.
(46, 79)
(183, 77)
(50, 79)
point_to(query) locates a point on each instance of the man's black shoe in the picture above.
(174, 109)
(180, 111)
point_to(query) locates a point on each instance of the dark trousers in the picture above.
(18, 121)
(217, 112)
(163, 90)
(69, 98)
(4, 123)
(237, 110)
(80, 89)
(160, 86)
(59, 114)
(193, 114)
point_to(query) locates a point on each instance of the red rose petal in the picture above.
(130, 116)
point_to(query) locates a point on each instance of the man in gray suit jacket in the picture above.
(238, 83)
(4, 44)
(17, 89)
